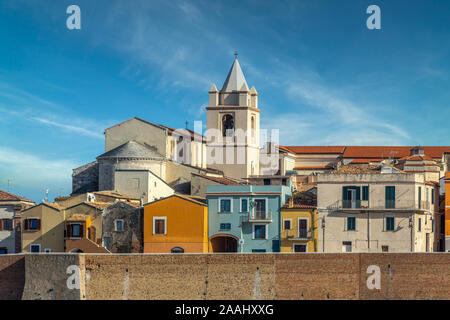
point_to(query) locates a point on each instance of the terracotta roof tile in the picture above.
(314, 149)
(365, 161)
(7, 196)
(314, 168)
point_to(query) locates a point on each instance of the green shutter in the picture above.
(344, 193)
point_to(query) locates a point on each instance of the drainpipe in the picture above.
(411, 226)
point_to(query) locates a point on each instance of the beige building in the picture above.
(43, 228)
(142, 184)
(233, 127)
(376, 209)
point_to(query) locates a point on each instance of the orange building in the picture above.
(176, 224)
(447, 212)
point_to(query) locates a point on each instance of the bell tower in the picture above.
(233, 126)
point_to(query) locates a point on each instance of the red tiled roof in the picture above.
(367, 152)
(313, 149)
(6, 196)
(390, 151)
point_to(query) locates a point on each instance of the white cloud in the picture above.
(33, 171)
(71, 128)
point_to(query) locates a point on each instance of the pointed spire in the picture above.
(253, 90)
(244, 87)
(235, 79)
(213, 88)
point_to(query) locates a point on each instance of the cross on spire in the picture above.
(235, 55)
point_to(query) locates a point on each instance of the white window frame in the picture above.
(307, 227)
(35, 244)
(260, 224)
(231, 204)
(299, 244)
(115, 225)
(240, 204)
(385, 223)
(165, 226)
(47, 250)
(290, 221)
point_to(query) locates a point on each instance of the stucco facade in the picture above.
(299, 228)
(176, 224)
(245, 218)
(385, 212)
(43, 228)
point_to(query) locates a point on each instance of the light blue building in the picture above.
(245, 218)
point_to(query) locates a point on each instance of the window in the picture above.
(177, 250)
(228, 125)
(225, 205)
(74, 230)
(384, 248)
(32, 224)
(419, 225)
(390, 223)
(351, 223)
(299, 247)
(303, 228)
(47, 250)
(3, 250)
(35, 248)
(266, 182)
(365, 193)
(244, 205)
(260, 208)
(159, 226)
(390, 197)
(346, 246)
(258, 250)
(225, 226)
(351, 197)
(259, 231)
(119, 225)
(432, 225)
(287, 224)
(283, 182)
(432, 196)
(6, 224)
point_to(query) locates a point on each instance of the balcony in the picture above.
(389, 205)
(294, 235)
(260, 216)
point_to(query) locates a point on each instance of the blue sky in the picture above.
(323, 78)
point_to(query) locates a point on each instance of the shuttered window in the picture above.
(365, 193)
(160, 226)
(33, 224)
(390, 197)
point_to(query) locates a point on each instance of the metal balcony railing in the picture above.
(260, 216)
(302, 234)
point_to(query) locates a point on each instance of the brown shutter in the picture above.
(11, 222)
(1, 224)
(38, 224)
(69, 230)
(82, 230)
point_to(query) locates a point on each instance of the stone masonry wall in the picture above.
(226, 276)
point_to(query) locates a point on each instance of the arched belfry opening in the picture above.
(228, 125)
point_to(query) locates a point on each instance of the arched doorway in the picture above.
(224, 243)
(76, 250)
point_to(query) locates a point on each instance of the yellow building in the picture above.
(43, 228)
(176, 224)
(299, 228)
